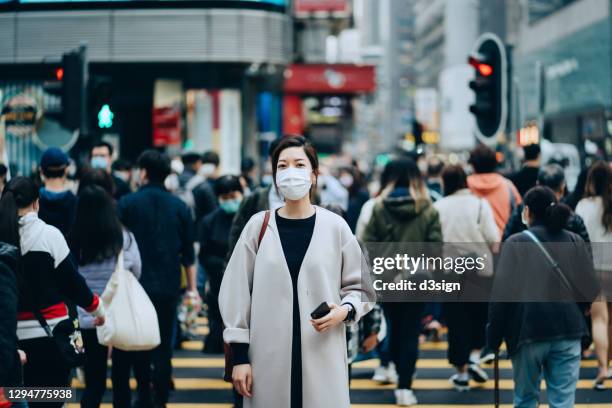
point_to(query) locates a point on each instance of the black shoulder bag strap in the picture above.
(554, 263)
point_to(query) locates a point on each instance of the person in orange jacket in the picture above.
(500, 193)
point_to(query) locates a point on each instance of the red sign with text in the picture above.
(312, 6)
(330, 79)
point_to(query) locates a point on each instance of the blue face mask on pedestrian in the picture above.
(230, 206)
(98, 162)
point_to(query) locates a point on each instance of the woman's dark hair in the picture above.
(227, 184)
(96, 234)
(599, 184)
(18, 193)
(296, 141)
(156, 164)
(544, 208)
(453, 179)
(97, 177)
(405, 173)
(483, 159)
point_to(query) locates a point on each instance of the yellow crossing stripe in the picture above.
(217, 362)
(356, 384)
(196, 345)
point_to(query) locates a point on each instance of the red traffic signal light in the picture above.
(59, 74)
(484, 69)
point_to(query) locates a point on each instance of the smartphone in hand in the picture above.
(321, 311)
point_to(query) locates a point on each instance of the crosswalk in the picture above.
(198, 382)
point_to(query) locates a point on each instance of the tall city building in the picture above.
(563, 60)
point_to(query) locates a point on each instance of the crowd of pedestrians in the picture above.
(259, 251)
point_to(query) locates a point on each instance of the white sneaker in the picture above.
(385, 375)
(392, 377)
(405, 398)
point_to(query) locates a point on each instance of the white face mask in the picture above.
(207, 170)
(294, 183)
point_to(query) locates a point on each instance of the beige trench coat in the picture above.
(256, 303)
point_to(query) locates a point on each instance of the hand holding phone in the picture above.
(321, 311)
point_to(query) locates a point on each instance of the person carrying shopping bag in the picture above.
(96, 239)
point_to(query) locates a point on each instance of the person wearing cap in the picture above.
(57, 202)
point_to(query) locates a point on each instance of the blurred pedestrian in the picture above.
(248, 170)
(527, 176)
(352, 179)
(3, 175)
(213, 235)
(122, 169)
(434, 177)
(468, 225)
(408, 208)
(553, 177)
(542, 334)
(281, 356)
(205, 200)
(48, 279)
(57, 202)
(96, 240)
(164, 231)
(10, 369)
(596, 210)
(496, 189)
(102, 158)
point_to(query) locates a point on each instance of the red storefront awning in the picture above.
(330, 79)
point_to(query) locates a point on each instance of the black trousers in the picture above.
(123, 362)
(158, 366)
(405, 322)
(45, 368)
(95, 370)
(466, 323)
(214, 340)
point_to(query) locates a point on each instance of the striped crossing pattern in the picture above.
(198, 383)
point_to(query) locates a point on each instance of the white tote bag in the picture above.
(131, 321)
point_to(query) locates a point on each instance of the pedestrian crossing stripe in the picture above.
(191, 405)
(371, 364)
(196, 345)
(356, 384)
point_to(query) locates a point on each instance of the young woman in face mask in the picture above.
(213, 235)
(307, 255)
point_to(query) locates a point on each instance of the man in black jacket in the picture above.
(553, 177)
(164, 230)
(10, 366)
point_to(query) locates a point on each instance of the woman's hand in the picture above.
(242, 378)
(99, 321)
(370, 342)
(23, 358)
(336, 316)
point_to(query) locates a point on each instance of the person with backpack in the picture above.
(544, 283)
(96, 240)
(48, 278)
(284, 353)
(596, 210)
(486, 183)
(468, 225)
(405, 215)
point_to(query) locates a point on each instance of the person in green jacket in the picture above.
(405, 215)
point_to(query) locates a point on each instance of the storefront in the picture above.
(318, 101)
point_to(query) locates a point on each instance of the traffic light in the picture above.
(70, 86)
(490, 85)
